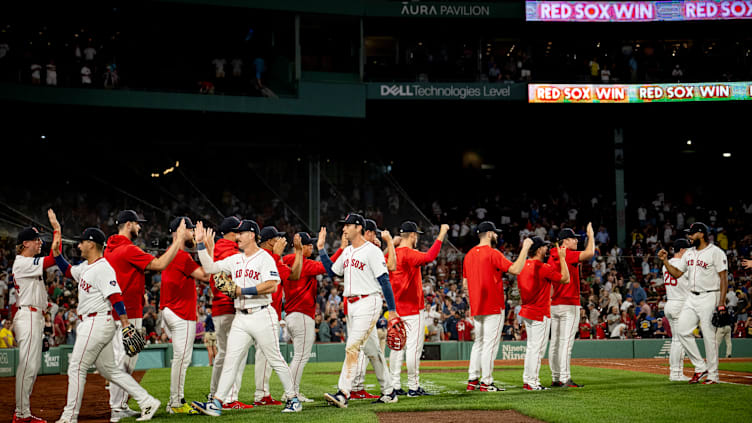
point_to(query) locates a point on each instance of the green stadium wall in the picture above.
(55, 361)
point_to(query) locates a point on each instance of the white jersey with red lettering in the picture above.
(702, 268)
(360, 268)
(246, 271)
(676, 289)
(28, 275)
(96, 282)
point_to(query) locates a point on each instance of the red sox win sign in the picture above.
(638, 93)
(637, 11)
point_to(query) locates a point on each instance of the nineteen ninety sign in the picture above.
(637, 11)
(636, 93)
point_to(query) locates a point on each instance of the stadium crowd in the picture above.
(622, 293)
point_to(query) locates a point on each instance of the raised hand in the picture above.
(562, 252)
(321, 242)
(209, 239)
(279, 246)
(589, 230)
(663, 255)
(386, 236)
(199, 233)
(527, 243)
(747, 264)
(53, 220)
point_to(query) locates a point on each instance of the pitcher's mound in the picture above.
(457, 416)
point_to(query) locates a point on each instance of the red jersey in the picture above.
(534, 283)
(464, 330)
(222, 304)
(406, 279)
(483, 267)
(178, 292)
(300, 295)
(585, 330)
(129, 263)
(284, 273)
(567, 293)
(600, 333)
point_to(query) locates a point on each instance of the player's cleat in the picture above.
(362, 394)
(417, 393)
(472, 385)
(570, 384)
(117, 415)
(267, 401)
(236, 405)
(698, 377)
(149, 409)
(710, 382)
(31, 419)
(490, 388)
(210, 408)
(339, 399)
(293, 406)
(527, 387)
(679, 378)
(183, 409)
(557, 384)
(399, 392)
(303, 398)
(387, 399)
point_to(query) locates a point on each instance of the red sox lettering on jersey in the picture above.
(359, 265)
(249, 273)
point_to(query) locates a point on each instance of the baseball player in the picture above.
(223, 314)
(98, 297)
(255, 274)
(706, 267)
(373, 235)
(565, 307)
(274, 242)
(130, 262)
(178, 301)
(366, 276)
(407, 285)
(534, 284)
(28, 322)
(482, 269)
(300, 306)
(677, 290)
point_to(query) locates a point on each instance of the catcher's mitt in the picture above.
(722, 317)
(133, 341)
(396, 334)
(224, 283)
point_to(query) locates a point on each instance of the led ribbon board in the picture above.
(637, 11)
(639, 93)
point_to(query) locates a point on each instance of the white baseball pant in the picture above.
(724, 333)
(222, 326)
(94, 346)
(415, 327)
(564, 324)
(699, 308)
(259, 327)
(262, 372)
(537, 338)
(28, 326)
(303, 333)
(183, 333)
(118, 395)
(362, 316)
(359, 382)
(672, 310)
(487, 331)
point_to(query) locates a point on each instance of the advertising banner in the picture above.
(639, 93)
(637, 11)
(445, 91)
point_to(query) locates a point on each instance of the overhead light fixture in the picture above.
(726, 155)
(689, 142)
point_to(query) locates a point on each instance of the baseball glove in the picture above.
(133, 341)
(224, 283)
(396, 334)
(722, 317)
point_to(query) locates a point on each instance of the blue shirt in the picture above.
(209, 324)
(638, 295)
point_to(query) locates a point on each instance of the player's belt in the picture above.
(356, 298)
(252, 310)
(704, 292)
(30, 308)
(81, 316)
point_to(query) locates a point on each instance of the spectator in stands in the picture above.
(613, 319)
(85, 76)
(660, 330)
(585, 328)
(36, 73)
(451, 326)
(51, 74)
(6, 335)
(638, 293)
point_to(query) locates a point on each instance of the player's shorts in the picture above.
(210, 339)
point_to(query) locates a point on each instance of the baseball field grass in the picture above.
(607, 396)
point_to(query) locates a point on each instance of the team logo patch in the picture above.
(273, 273)
(113, 283)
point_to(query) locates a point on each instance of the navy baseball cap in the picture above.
(371, 225)
(92, 234)
(567, 233)
(486, 226)
(305, 238)
(354, 219)
(126, 216)
(409, 226)
(28, 234)
(229, 224)
(248, 226)
(270, 232)
(537, 243)
(681, 243)
(176, 222)
(697, 227)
